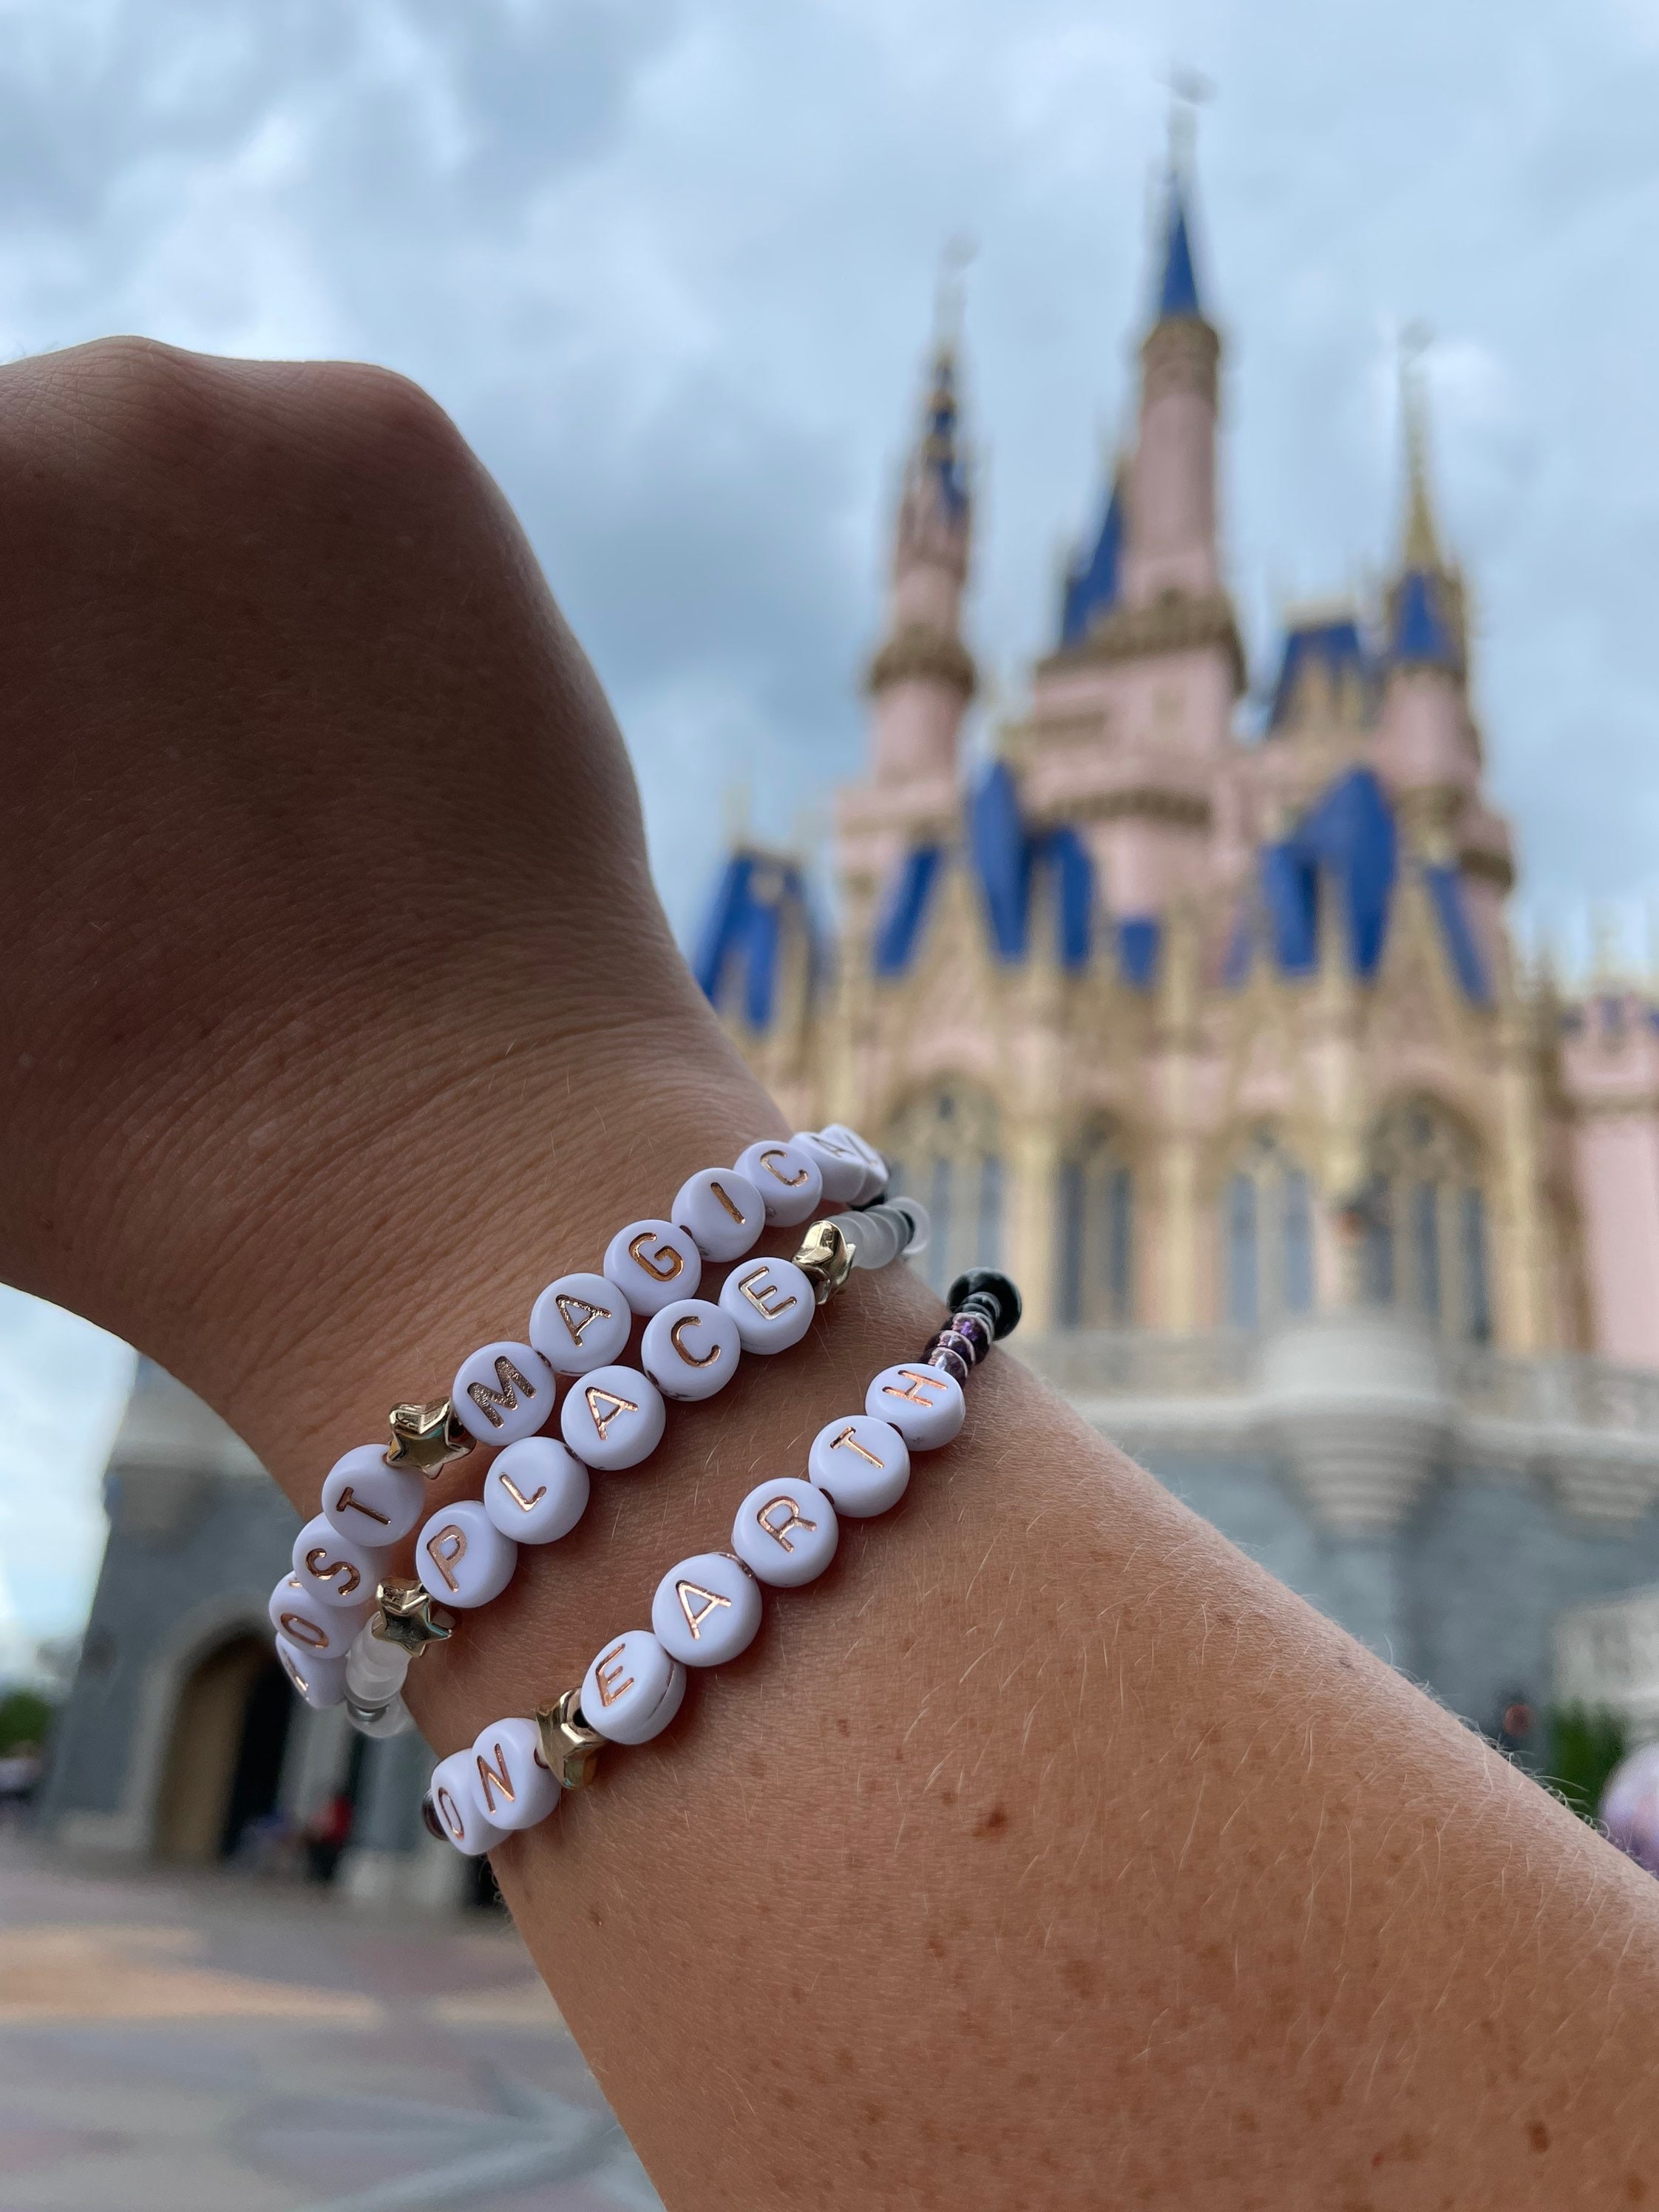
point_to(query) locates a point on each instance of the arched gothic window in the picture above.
(1266, 1234)
(945, 1148)
(1095, 1233)
(1426, 1233)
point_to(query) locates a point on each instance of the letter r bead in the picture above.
(785, 1533)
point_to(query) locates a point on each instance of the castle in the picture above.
(1343, 1222)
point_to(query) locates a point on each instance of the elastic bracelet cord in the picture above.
(707, 1608)
(338, 1643)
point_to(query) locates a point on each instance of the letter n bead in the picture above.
(462, 1558)
(785, 1532)
(924, 1404)
(511, 1783)
(633, 1689)
(504, 1392)
(454, 1800)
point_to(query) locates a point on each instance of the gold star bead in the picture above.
(427, 1436)
(569, 1748)
(409, 1618)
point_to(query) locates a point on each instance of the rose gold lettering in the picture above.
(318, 1564)
(449, 1812)
(665, 1263)
(569, 1307)
(299, 1629)
(850, 1437)
(454, 1542)
(914, 1375)
(712, 1601)
(517, 1496)
(612, 1404)
(496, 1774)
(504, 1397)
(291, 1667)
(349, 1497)
(725, 1198)
(768, 1289)
(605, 1673)
(692, 1320)
(769, 1160)
(793, 1518)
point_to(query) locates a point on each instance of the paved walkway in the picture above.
(219, 2045)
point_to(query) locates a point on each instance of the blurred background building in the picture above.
(1323, 1205)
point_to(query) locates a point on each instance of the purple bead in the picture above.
(952, 1339)
(976, 1329)
(951, 1362)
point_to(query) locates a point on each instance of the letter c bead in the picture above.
(456, 1804)
(333, 1568)
(691, 1349)
(706, 1610)
(722, 1212)
(785, 1532)
(509, 1782)
(786, 1176)
(633, 1689)
(652, 1263)
(462, 1558)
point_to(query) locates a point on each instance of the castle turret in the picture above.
(1171, 543)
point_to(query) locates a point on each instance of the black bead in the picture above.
(989, 1291)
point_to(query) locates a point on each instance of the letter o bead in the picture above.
(924, 1404)
(322, 1632)
(320, 1682)
(721, 1213)
(511, 1786)
(652, 1263)
(504, 1392)
(863, 1465)
(462, 1558)
(772, 1302)
(613, 1418)
(691, 1349)
(581, 1321)
(633, 1689)
(536, 1491)
(706, 1610)
(785, 1533)
(336, 1570)
(785, 1175)
(455, 1801)
(366, 1499)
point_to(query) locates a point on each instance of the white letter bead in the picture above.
(787, 1532)
(613, 1418)
(511, 1784)
(536, 1491)
(772, 1302)
(633, 1689)
(842, 1173)
(863, 1464)
(722, 1212)
(323, 1631)
(581, 1321)
(875, 1178)
(457, 1806)
(706, 1610)
(786, 1178)
(504, 1392)
(690, 1349)
(336, 1570)
(924, 1404)
(320, 1682)
(462, 1558)
(652, 1263)
(366, 1499)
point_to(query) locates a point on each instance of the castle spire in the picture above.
(1421, 548)
(1177, 291)
(1425, 600)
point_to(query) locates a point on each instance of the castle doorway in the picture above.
(224, 1756)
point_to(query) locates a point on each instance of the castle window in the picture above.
(1426, 1244)
(1267, 1236)
(945, 1148)
(1094, 1239)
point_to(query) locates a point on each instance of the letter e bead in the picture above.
(633, 1689)
(772, 1302)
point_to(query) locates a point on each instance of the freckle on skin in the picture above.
(1538, 2135)
(994, 1822)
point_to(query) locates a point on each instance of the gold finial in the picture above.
(1188, 92)
(949, 294)
(1422, 547)
(408, 1617)
(426, 1436)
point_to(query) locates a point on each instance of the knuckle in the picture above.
(385, 414)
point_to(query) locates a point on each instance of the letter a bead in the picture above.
(772, 1302)
(785, 1532)
(510, 1784)
(633, 1689)
(924, 1404)
(370, 1502)
(456, 1804)
(864, 1465)
(504, 1392)
(333, 1568)
(722, 1212)
(706, 1610)
(690, 1349)
(536, 1491)
(581, 1321)
(462, 1558)
(785, 1175)
(613, 1418)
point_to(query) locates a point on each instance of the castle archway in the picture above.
(1425, 1219)
(1094, 1238)
(224, 1753)
(1265, 1229)
(944, 1147)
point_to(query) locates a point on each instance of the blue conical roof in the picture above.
(1178, 292)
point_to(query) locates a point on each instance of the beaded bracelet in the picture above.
(338, 1646)
(707, 1608)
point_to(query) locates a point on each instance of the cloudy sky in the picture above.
(670, 263)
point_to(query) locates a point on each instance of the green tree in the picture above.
(1585, 1744)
